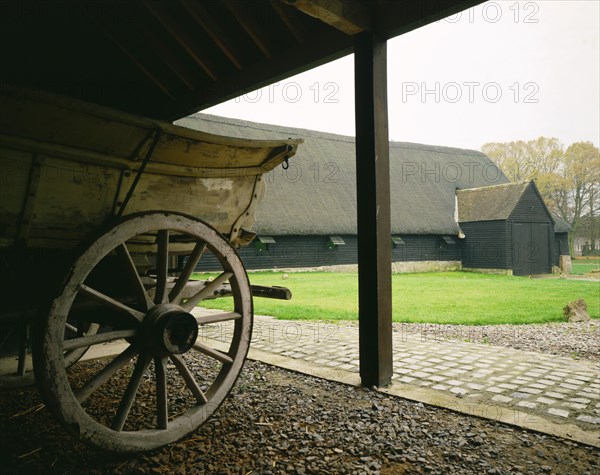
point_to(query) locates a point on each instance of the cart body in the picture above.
(103, 219)
(67, 167)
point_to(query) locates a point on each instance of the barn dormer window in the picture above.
(335, 241)
(262, 243)
(398, 241)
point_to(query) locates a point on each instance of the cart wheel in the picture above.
(163, 380)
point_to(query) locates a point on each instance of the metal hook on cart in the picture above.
(286, 164)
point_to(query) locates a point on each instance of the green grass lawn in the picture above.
(583, 266)
(453, 297)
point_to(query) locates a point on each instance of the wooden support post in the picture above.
(373, 201)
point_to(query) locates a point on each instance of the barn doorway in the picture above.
(530, 243)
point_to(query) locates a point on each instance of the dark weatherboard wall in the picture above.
(485, 245)
(316, 251)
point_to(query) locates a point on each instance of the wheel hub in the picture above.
(170, 329)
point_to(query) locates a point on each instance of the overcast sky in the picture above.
(502, 71)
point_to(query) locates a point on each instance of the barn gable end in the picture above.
(531, 207)
(530, 228)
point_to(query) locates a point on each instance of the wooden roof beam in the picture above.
(209, 24)
(244, 17)
(301, 57)
(183, 38)
(287, 16)
(157, 82)
(350, 17)
(167, 56)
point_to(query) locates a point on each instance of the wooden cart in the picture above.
(103, 219)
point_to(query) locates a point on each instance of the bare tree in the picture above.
(569, 180)
(582, 176)
(524, 161)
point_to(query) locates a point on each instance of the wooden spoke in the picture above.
(206, 291)
(217, 317)
(188, 377)
(23, 344)
(162, 410)
(105, 373)
(176, 292)
(138, 287)
(110, 302)
(90, 340)
(216, 354)
(92, 329)
(162, 266)
(130, 392)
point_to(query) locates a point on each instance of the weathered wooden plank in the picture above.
(184, 38)
(348, 16)
(60, 123)
(243, 14)
(211, 26)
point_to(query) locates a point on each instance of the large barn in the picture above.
(308, 216)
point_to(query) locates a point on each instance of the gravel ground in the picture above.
(280, 422)
(574, 340)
